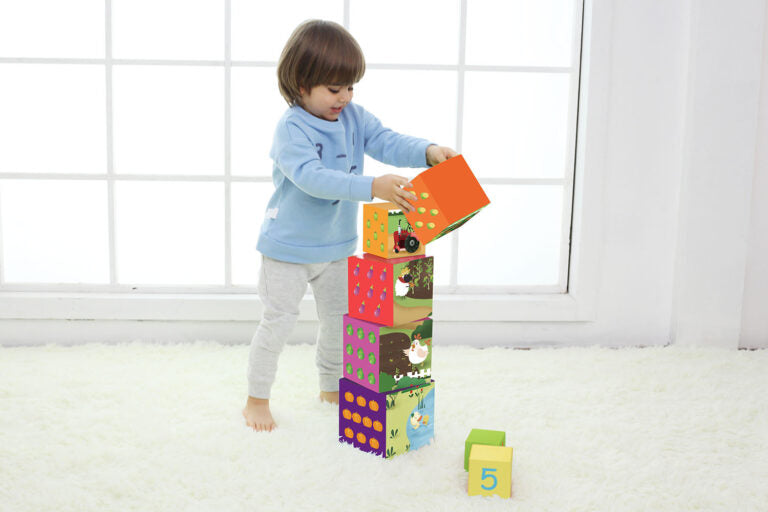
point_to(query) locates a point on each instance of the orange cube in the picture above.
(387, 233)
(447, 196)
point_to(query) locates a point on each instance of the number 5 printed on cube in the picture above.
(490, 470)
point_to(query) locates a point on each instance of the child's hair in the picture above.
(318, 53)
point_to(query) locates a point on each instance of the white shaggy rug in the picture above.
(157, 427)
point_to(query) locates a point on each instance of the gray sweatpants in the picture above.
(281, 288)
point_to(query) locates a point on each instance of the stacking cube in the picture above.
(390, 291)
(386, 424)
(447, 196)
(384, 358)
(490, 470)
(480, 436)
(387, 233)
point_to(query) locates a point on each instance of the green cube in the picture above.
(480, 436)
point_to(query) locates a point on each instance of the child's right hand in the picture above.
(390, 188)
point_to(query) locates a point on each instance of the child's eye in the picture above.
(334, 91)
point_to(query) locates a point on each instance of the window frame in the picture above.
(572, 300)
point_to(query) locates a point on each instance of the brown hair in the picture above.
(318, 53)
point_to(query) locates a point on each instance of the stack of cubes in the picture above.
(387, 394)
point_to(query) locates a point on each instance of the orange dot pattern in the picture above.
(372, 437)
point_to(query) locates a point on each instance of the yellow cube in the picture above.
(490, 470)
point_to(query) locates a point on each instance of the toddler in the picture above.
(310, 224)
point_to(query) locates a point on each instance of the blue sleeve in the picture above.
(297, 158)
(391, 147)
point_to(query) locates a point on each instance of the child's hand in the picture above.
(389, 188)
(437, 154)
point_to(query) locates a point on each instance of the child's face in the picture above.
(326, 101)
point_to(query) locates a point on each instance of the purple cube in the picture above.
(386, 424)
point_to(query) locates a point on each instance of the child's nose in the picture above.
(346, 96)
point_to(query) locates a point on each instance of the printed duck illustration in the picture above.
(418, 420)
(419, 350)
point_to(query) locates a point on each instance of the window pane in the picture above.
(170, 233)
(417, 103)
(256, 108)
(516, 124)
(249, 200)
(52, 28)
(52, 118)
(407, 31)
(54, 231)
(520, 32)
(169, 120)
(168, 29)
(259, 32)
(515, 240)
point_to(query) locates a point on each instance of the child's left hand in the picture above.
(437, 154)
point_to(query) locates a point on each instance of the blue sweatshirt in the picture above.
(318, 177)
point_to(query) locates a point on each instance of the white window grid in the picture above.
(227, 178)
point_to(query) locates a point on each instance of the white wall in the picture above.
(678, 175)
(754, 327)
(720, 141)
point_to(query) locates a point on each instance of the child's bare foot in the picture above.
(258, 416)
(330, 396)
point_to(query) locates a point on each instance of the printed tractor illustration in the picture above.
(387, 233)
(387, 393)
(405, 239)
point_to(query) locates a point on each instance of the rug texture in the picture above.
(159, 427)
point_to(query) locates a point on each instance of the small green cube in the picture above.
(480, 436)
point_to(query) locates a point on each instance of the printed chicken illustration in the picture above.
(418, 351)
